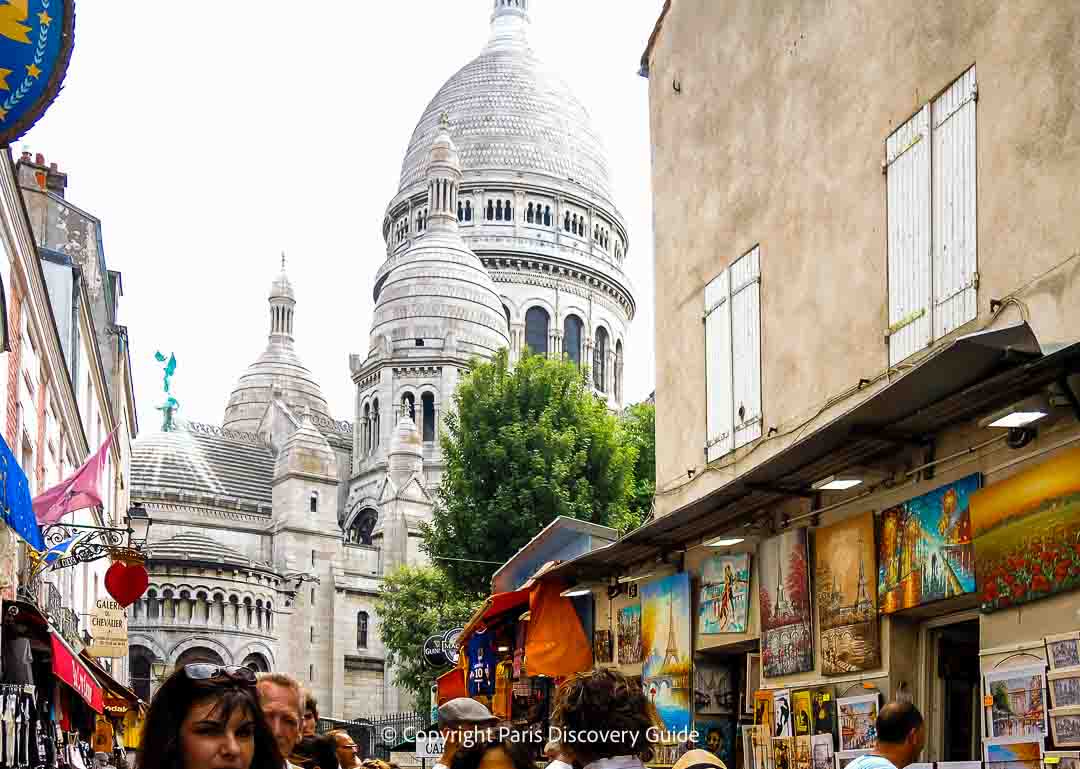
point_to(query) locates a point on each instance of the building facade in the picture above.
(272, 533)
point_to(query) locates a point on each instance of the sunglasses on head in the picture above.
(205, 671)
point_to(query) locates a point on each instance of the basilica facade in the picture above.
(272, 532)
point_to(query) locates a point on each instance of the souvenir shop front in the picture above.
(935, 560)
(51, 699)
(118, 729)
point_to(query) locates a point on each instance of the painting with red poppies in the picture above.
(1027, 534)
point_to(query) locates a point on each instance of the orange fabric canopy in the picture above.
(494, 606)
(452, 685)
(556, 644)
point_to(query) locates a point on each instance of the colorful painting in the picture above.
(714, 688)
(803, 718)
(665, 639)
(925, 550)
(784, 605)
(1064, 687)
(602, 646)
(763, 710)
(824, 707)
(717, 737)
(725, 594)
(1063, 651)
(1014, 753)
(1065, 727)
(846, 581)
(858, 722)
(821, 751)
(752, 737)
(783, 750)
(1061, 759)
(782, 714)
(804, 751)
(630, 635)
(1019, 701)
(845, 757)
(761, 744)
(752, 682)
(1027, 534)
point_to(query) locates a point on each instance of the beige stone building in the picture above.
(867, 253)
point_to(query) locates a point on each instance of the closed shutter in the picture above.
(746, 346)
(719, 427)
(953, 131)
(907, 159)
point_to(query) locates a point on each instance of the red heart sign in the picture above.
(126, 582)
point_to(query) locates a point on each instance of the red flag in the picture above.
(81, 490)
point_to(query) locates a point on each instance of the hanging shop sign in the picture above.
(433, 651)
(108, 628)
(36, 37)
(450, 644)
(117, 706)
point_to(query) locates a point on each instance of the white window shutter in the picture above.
(907, 160)
(955, 277)
(718, 421)
(746, 346)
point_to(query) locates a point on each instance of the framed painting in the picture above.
(803, 713)
(752, 682)
(602, 646)
(925, 547)
(1013, 752)
(858, 722)
(1061, 759)
(724, 598)
(714, 689)
(845, 757)
(782, 726)
(845, 576)
(784, 605)
(630, 635)
(762, 745)
(1026, 529)
(1063, 650)
(718, 737)
(821, 751)
(824, 710)
(1064, 687)
(783, 751)
(1065, 727)
(665, 641)
(763, 710)
(1018, 700)
(804, 751)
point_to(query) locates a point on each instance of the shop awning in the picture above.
(975, 375)
(451, 685)
(75, 673)
(118, 699)
(495, 605)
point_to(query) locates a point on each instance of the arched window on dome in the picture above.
(547, 216)
(498, 210)
(359, 532)
(508, 211)
(375, 423)
(507, 311)
(427, 402)
(566, 222)
(572, 328)
(365, 431)
(536, 330)
(313, 502)
(468, 211)
(491, 211)
(529, 214)
(600, 360)
(618, 371)
(573, 224)
(460, 212)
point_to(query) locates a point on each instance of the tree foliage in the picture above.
(638, 424)
(523, 445)
(415, 602)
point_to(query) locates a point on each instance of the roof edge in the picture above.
(644, 68)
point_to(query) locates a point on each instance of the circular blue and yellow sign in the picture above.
(36, 37)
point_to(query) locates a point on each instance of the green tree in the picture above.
(415, 602)
(638, 424)
(524, 445)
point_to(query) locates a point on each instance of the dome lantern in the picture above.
(444, 179)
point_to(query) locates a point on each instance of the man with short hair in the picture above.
(557, 755)
(901, 737)
(282, 700)
(456, 717)
(311, 715)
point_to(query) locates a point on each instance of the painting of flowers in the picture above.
(1027, 534)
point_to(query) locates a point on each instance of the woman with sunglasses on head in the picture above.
(207, 716)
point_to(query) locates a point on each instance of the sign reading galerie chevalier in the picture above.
(36, 37)
(108, 628)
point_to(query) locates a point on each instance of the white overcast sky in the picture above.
(209, 138)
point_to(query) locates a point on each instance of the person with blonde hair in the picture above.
(282, 700)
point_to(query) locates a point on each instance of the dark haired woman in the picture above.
(605, 720)
(315, 752)
(208, 717)
(492, 755)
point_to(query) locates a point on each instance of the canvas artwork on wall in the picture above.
(762, 745)
(714, 688)
(1018, 699)
(784, 605)
(1063, 651)
(749, 735)
(763, 710)
(1061, 759)
(783, 750)
(782, 726)
(858, 722)
(845, 576)
(1064, 687)
(824, 710)
(845, 757)
(752, 681)
(803, 713)
(602, 646)
(630, 635)
(1065, 727)
(724, 604)
(821, 751)
(665, 639)
(925, 549)
(1014, 753)
(717, 737)
(804, 751)
(1026, 533)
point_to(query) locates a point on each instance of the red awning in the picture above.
(74, 672)
(495, 605)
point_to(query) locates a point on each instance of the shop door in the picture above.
(953, 666)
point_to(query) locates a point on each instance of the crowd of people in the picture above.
(208, 716)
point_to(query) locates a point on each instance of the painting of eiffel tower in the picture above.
(665, 639)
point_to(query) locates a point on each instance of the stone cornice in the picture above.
(154, 500)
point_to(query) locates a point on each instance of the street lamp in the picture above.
(138, 526)
(157, 670)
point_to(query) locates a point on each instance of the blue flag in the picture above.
(63, 550)
(18, 510)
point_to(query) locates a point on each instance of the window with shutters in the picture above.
(930, 180)
(733, 356)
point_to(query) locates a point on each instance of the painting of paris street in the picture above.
(784, 605)
(1018, 706)
(925, 547)
(846, 583)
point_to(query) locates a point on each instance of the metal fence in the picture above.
(377, 735)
